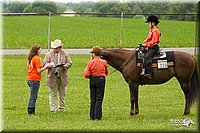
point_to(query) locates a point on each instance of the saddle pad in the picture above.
(155, 65)
(160, 63)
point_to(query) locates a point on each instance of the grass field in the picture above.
(84, 32)
(160, 105)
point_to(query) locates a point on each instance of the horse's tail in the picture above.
(194, 89)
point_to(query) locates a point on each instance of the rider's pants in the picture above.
(148, 59)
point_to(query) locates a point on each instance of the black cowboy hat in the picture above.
(153, 18)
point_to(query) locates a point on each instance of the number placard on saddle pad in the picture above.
(162, 64)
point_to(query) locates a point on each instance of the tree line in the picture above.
(131, 8)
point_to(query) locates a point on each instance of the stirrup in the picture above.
(147, 76)
(142, 73)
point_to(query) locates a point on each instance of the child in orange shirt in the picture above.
(151, 43)
(35, 68)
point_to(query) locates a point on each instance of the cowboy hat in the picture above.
(57, 43)
(152, 18)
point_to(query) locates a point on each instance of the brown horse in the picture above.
(185, 71)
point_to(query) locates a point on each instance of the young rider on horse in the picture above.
(151, 43)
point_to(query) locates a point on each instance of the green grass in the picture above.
(85, 32)
(159, 104)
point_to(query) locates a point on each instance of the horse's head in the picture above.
(116, 57)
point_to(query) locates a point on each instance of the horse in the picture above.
(185, 71)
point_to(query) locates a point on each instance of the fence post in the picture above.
(121, 29)
(49, 32)
(197, 33)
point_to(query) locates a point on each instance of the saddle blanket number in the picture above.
(162, 64)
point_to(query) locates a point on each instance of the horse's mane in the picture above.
(119, 51)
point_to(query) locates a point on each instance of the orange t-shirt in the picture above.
(32, 69)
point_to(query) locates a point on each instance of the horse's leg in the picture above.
(134, 99)
(185, 87)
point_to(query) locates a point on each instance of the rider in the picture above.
(151, 44)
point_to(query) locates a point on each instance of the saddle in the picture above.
(162, 60)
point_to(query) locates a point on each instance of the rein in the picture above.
(127, 61)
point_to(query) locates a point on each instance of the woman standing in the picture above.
(35, 68)
(96, 70)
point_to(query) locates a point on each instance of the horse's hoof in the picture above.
(136, 113)
(131, 114)
(186, 113)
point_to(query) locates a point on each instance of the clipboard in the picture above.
(58, 65)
